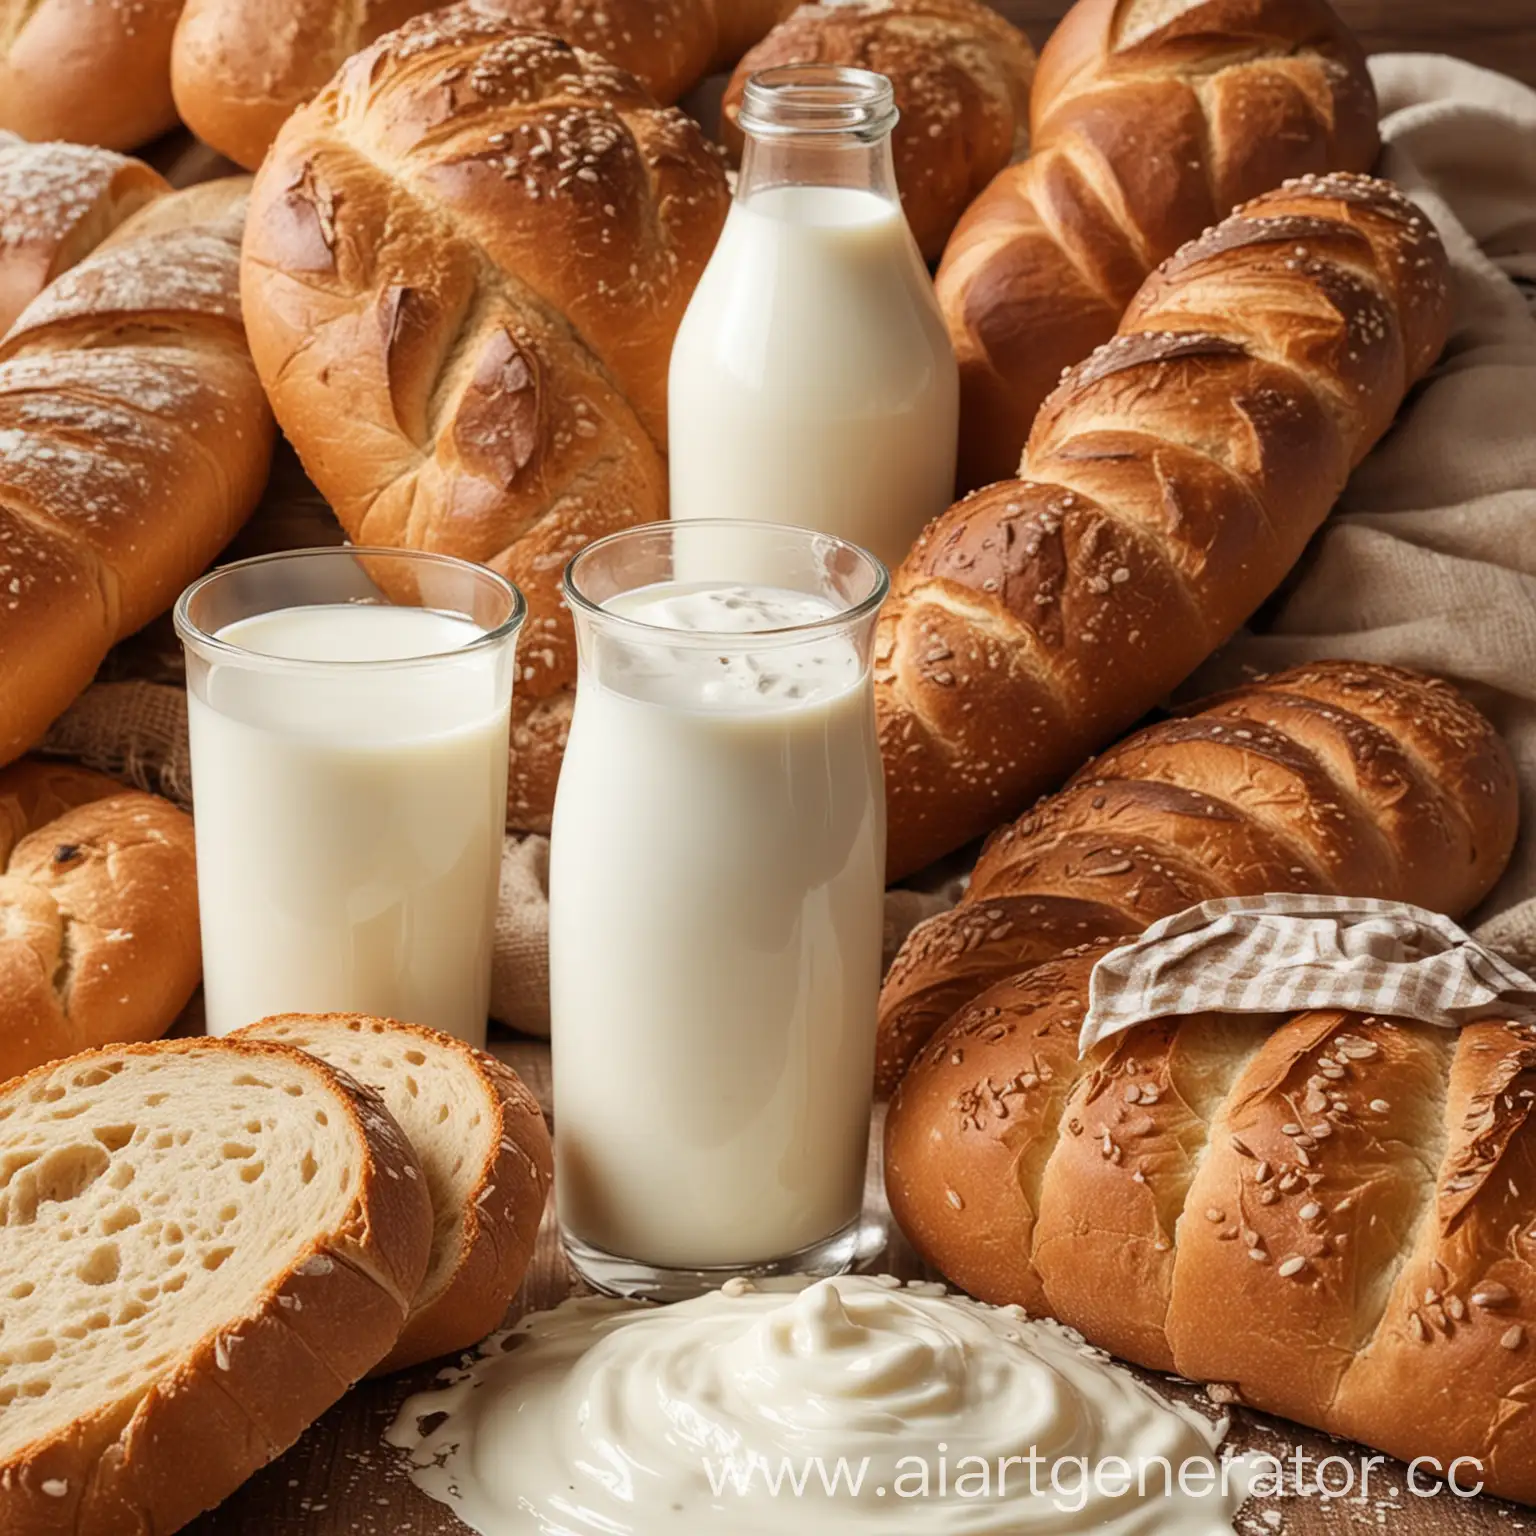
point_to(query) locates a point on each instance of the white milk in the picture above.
(349, 822)
(812, 381)
(716, 905)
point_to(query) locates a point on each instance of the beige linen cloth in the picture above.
(1430, 560)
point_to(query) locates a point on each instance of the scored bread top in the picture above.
(202, 1244)
(485, 1155)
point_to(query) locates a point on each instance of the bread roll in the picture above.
(1150, 120)
(58, 202)
(90, 71)
(242, 67)
(98, 914)
(961, 76)
(136, 441)
(1170, 484)
(1342, 777)
(206, 1242)
(465, 263)
(1332, 1215)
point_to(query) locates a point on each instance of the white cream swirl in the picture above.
(608, 1418)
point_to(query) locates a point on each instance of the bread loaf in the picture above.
(1149, 121)
(1332, 1215)
(961, 78)
(1169, 485)
(98, 914)
(91, 71)
(58, 202)
(1340, 777)
(134, 441)
(203, 1244)
(484, 1153)
(462, 303)
(241, 67)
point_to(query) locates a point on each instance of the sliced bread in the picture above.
(203, 1243)
(484, 1150)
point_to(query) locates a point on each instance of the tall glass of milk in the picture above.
(716, 903)
(349, 720)
(812, 381)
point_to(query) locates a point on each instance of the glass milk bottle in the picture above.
(812, 381)
(716, 904)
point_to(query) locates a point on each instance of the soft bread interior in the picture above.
(441, 1101)
(146, 1201)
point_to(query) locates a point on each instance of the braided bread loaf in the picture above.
(1340, 777)
(1170, 483)
(1149, 121)
(134, 442)
(98, 914)
(1333, 1215)
(960, 73)
(241, 67)
(464, 267)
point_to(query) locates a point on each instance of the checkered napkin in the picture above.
(1283, 954)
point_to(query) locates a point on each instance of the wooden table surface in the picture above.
(341, 1480)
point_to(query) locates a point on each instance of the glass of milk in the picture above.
(716, 904)
(349, 722)
(812, 381)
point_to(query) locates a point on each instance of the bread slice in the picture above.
(203, 1243)
(484, 1150)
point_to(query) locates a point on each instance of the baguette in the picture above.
(136, 442)
(484, 1153)
(960, 73)
(1170, 484)
(1331, 1215)
(1341, 777)
(58, 202)
(205, 1243)
(1150, 120)
(98, 914)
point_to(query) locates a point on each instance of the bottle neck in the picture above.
(817, 125)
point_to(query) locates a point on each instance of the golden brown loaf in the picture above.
(1333, 1215)
(135, 442)
(465, 263)
(92, 71)
(58, 202)
(961, 76)
(1169, 485)
(98, 914)
(206, 1243)
(1341, 777)
(1149, 121)
(241, 67)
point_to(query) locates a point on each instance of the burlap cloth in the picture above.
(1430, 560)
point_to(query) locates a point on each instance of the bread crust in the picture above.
(71, 69)
(1331, 1215)
(138, 443)
(961, 75)
(57, 203)
(238, 1397)
(98, 913)
(500, 1222)
(1148, 124)
(1170, 483)
(1343, 777)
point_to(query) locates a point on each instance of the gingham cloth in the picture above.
(1283, 954)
